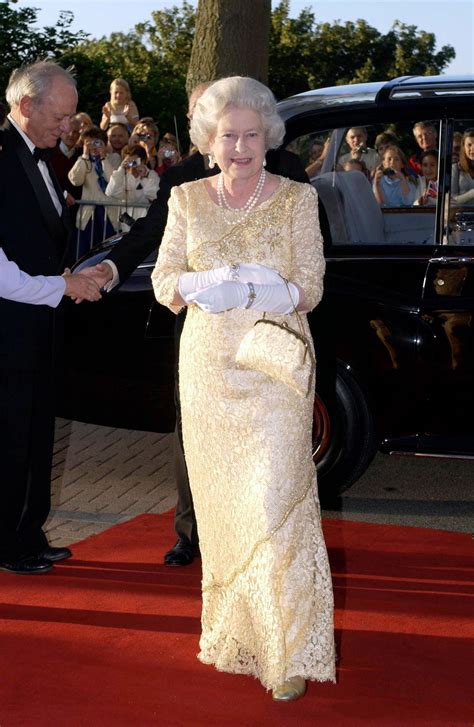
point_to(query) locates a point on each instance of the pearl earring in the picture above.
(211, 160)
(264, 162)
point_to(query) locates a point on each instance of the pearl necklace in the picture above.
(245, 210)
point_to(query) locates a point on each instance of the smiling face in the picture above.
(426, 137)
(118, 137)
(239, 143)
(45, 120)
(469, 148)
(356, 137)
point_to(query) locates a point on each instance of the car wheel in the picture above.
(343, 437)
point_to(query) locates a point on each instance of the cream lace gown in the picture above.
(267, 595)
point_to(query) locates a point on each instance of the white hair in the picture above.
(35, 81)
(235, 92)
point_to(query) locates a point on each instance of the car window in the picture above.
(378, 183)
(461, 201)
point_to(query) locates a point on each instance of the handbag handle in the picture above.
(298, 317)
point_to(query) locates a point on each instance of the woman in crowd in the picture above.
(427, 189)
(120, 109)
(133, 183)
(267, 595)
(393, 187)
(462, 179)
(168, 153)
(147, 133)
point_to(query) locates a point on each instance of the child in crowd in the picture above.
(92, 171)
(120, 109)
(356, 165)
(427, 189)
(134, 183)
(393, 187)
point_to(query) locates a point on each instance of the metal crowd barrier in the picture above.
(121, 207)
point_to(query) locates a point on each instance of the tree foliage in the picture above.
(329, 54)
(21, 43)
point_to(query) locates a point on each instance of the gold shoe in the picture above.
(293, 688)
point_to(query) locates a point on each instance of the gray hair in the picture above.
(35, 81)
(235, 92)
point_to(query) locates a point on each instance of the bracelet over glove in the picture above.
(190, 283)
(233, 294)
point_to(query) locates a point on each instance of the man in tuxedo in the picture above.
(34, 234)
(132, 249)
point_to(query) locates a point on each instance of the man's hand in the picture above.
(80, 287)
(100, 275)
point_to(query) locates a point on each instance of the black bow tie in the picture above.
(43, 155)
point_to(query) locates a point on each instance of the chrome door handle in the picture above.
(451, 259)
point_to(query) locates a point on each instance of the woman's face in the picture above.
(239, 143)
(429, 168)
(392, 160)
(469, 148)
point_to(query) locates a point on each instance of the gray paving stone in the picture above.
(103, 476)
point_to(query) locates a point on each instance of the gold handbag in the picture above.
(280, 352)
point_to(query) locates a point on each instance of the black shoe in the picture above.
(33, 565)
(182, 553)
(55, 554)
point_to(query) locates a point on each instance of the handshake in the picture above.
(239, 286)
(87, 284)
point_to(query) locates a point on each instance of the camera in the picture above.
(361, 149)
(144, 137)
(389, 172)
(96, 143)
(126, 219)
(132, 163)
(168, 153)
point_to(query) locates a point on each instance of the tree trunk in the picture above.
(231, 38)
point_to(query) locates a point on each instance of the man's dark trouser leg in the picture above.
(185, 519)
(27, 439)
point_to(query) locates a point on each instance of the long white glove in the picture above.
(232, 294)
(190, 283)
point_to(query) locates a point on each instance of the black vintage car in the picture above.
(394, 332)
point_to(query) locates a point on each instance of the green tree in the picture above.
(157, 88)
(21, 43)
(328, 54)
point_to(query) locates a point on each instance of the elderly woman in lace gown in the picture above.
(267, 596)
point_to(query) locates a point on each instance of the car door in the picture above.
(447, 316)
(368, 323)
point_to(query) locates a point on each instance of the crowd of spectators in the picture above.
(398, 181)
(110, 171)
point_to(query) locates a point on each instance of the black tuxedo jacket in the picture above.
(147, 232)
(34, 236)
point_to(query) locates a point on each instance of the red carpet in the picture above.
(109, 638)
